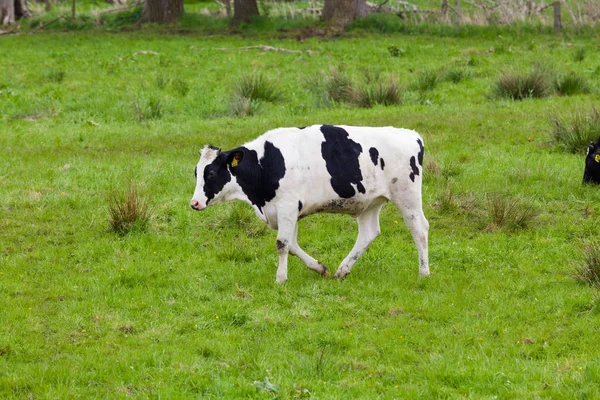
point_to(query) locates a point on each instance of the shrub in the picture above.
(516, 86)
(384, 93)
(257, 86)
(127, 211)
(509, 214)
(573, 134)
(571, 84)
(589, 271)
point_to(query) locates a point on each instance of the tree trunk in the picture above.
(340, 13)
(162, 11)
(12, 10)
(243, 10)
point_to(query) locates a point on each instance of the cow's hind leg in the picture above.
(368, 230)
(310, 262)
(412, 212)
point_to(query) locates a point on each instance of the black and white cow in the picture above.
(289, 173)
(591, 174)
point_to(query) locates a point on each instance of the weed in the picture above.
(181, 86)
(573, 134)
(339, 86)
(579, 54)
(127, 211)
(383, 93)
(162, 81)
(257, 86)
(571, 84)
(509, 213)
(56, 76)
(427, 80)
(244, 107)
(518, 86)
(457, 74)
(589, 270)
(151, 108)
(395, 51)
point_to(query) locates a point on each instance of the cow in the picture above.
(591, 173)
(289, 173)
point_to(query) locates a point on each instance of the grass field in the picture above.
(187, 306)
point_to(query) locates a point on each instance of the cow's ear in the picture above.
(235, 158)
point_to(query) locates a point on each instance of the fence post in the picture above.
(557, 23)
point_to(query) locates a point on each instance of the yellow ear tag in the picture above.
(597, 158)
(234, 162)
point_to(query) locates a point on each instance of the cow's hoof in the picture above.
(424, 273)
(341, 274)
(281, 279)
(324, 271)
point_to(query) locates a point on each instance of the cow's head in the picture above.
(213, 176)
(592, 163)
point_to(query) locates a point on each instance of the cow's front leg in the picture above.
(285, 237)
(368, 230)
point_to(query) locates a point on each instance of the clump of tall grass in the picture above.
(509, 213)
(589, 270)
(181, 86)
(150, 108)
(427, 80)
(579, 54)
(571, 84)
(572, 134)
(257, 86)
(519, 86)
(245, 107)
(56, 76)
(339, 86)
(127, 210)
(457, 74)
(386, 93)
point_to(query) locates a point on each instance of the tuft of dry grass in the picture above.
(589, 271)
(127, 210)
(509, 213)
(573, 134)
(516, 86)
(386, 93)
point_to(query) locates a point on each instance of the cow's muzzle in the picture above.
(196, 205)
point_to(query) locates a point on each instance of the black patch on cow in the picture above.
(218, 149)
(259, 179)
(216, 175)
(394, 180)
(421, 152)
(415, 169)
(301, 127)
(374, 155)
(196, 172)
(281, 244)
(299, 206)
(382, 163)
(591, 174)
(341, 159)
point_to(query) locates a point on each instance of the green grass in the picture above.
(188, 307)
